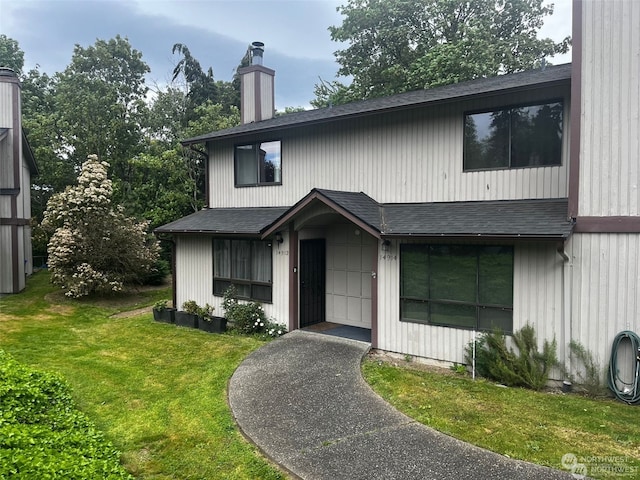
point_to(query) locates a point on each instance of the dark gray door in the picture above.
(312, 282)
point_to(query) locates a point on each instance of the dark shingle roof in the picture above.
(515, 219)
(247, 221)
(538, 218)
(358, 204)
(552, 75)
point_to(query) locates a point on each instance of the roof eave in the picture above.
(204, 232)
(483, 236)
(393, 108)
(28, 153)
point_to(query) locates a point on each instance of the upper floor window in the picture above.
(258, 164)
(525, 136)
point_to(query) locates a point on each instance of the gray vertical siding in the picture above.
(16, 259)
(610, 140)
(194, 275)
(605, 267)
(606, 289)
(412, 156)
(538, 299)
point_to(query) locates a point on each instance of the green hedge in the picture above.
(43, 435)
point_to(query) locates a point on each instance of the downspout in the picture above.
(567, 270)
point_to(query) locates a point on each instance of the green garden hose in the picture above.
(631, 391)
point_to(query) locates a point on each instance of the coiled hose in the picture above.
(631, 391)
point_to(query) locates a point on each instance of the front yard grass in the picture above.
(157, 391)
(538, 427)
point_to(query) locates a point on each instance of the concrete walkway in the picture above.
(303, 401)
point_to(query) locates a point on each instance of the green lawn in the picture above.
(157, 391)
(537, 427)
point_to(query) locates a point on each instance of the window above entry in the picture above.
(258, 164)
(514, 137)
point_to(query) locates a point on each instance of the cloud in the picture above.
(217, 32)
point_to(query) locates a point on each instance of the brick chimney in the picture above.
(257, 97)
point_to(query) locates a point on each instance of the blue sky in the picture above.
(295, 32)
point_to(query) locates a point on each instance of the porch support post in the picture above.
(293, 278)
(374, 296)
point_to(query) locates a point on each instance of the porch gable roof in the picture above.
(356, 207)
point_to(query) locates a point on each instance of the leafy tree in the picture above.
(398, 45)
(166, 117)
(41, 121)
(201, 87)
(164, 189)
(99, 104)
(11, 55)
(170, 178)
(94, 246)
(100, 99)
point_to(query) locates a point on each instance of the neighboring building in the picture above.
(17, 165)
(430, 215)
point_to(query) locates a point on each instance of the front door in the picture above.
(312, 282)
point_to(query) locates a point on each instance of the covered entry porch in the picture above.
(333, 264)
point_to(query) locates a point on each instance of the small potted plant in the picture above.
(163, 313)
(188, 316)
(209, 323)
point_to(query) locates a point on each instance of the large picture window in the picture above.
(258, 164)
(247, 264)
(467, 286)
(526, 136)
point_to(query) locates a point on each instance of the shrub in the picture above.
(43, 435)
(94, 246)
(157, 273)
(249, 317)
(523, 367)
(588, 370)
(190, 306)
(161, 305)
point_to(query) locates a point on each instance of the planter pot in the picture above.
(166, 315)
(184, 319)
(215, 325)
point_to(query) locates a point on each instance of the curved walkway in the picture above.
(304, 403)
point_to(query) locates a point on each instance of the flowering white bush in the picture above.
(249, 317)
(94, 246)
